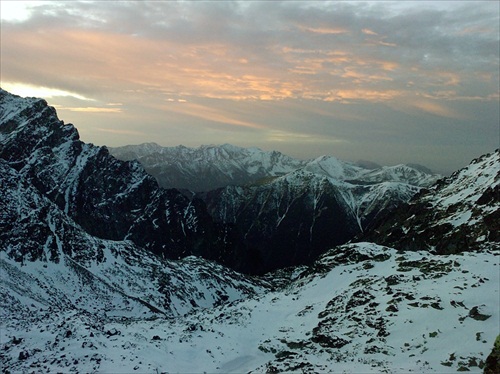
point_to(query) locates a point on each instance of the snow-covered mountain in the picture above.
(83, 287)
(210, 167)
(267, 196)
(108, 198)
(207, 167)
(459, 213)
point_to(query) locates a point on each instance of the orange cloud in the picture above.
(209, 113)
(91, 109)
(347, 95)
(324, 30)
(435, 108)
(119, 131)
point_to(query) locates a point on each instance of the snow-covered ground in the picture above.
(360, 308)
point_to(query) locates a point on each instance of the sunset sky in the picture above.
(390, 82)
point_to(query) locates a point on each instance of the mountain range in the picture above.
(102, 270)
(287, 211)
(210, 167)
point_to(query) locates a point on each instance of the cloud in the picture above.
(324, 30)
(91, 109)
(120, 131)
(289, 51)
(303, 68)
(28, 90)
(436, 108)
(209, 114)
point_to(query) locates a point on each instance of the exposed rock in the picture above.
(459, 213)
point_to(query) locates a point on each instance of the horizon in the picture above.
(386, 82)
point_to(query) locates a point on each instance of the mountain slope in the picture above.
(51, 261)
(360, 308)
(291, 220)
(459, 213)
(110, 199)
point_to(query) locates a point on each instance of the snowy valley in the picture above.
(104, 271)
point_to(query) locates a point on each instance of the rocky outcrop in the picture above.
(459, 213)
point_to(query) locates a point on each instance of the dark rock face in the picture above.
(285, 223)
(493, 360)
(108, 198)
(459, 213)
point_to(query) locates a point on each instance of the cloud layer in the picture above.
(358, 80)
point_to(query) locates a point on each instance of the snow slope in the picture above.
(360, 308)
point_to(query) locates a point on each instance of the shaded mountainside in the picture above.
(458, 213)
(108, 198)
(291, 220)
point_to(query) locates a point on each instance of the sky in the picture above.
(389, 82)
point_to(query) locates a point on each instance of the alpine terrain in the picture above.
(104, 271)
(266, 196)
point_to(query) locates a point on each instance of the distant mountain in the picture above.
(458, 213)
(207, 167)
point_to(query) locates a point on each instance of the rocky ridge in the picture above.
(458, 213)
(108, 198)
